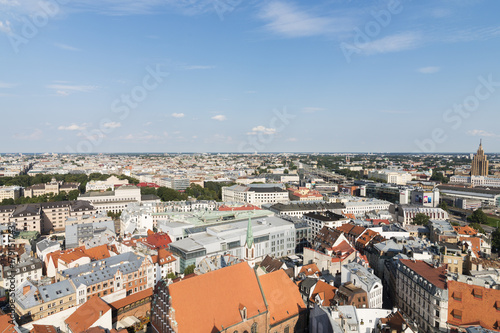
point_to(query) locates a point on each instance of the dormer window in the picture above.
(243, 312)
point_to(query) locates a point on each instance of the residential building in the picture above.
(36, 302)
(391, 176)
(298, 209)
(117, 200)
(366, 280)
(45, 247)
(94, 313)
(30, 268)
(325, 219)
(78, 234)
(365, 206)
(10, 192)
(254, 194)
(55, 187)
(103, 185)
(304, 194)
(422, 294)
(349, 294)
(177, 184)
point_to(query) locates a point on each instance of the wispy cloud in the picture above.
(5, 27)
(34, 135)
(72, 127)
(195, 67)
(219, 117)
(66, 47)
(471, 34)
(483, 133)
(262, 129)
(6, 85)
(429, 70)
(394, 43)
(178, 115)
(395, 111)
(288, 20)
(311, 109)
(112, 124)
(66, 89)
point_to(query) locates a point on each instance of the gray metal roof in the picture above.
(56, 290)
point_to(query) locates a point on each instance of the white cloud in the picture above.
(263, 130)
(395, 43)
(198, 67)
(178, 115)
(35, 135)
(66, 89)
(5, 85)
(291, 140)
(66, 47)
(395, 111)
(288, 20)
(112, 124)
(429, 70)
(72, 127)
(219, 117)
(250, 92)
(477, 132)
(5, 27)
(311, 109)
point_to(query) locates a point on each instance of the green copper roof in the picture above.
(249, 241)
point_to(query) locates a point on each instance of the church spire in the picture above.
(249, 248)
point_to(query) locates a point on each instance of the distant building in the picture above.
(479, 166)
(304, 194)
(55, 187)
(254, 194)
(10, 192)
(391, 176)
(176, 183)
(298, 209)
(117, 200)
(366, 280)
(103, 185)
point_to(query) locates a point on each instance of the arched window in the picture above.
(254, 328)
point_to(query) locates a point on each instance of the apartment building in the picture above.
(324, 219)
(298, 209)
(128, 273)
(103, 185)
(365, 206)
(422, 294)
(364, 278)
(44, 217)
(117, 200)
(254, 194)
(31, 269)
(36, 302)
(10, 192)
(55, 187)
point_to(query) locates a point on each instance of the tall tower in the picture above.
(250, 246)
(479, 165)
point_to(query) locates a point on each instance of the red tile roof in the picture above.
(132, 299)
(282, 295)
(5, 325)
(310, 269)
(225, 208)
(98, 252)
(86, 315)
(434, 275)
(158, 240)
(212, 300)
(326, 293)
(43, 329)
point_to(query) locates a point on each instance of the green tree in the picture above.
(478, 216)
(189, 269)
(495, 240)
(443, 205)
(73, 195)
(171, 276)
(477, 227)
(421, 219)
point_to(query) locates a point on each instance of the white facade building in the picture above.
(365, 279)
(254, 195)
(391, 176)
(103, 185)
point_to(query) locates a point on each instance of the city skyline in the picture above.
(234, 76)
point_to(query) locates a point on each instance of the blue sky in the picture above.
(233, 75)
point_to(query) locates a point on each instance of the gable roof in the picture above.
(86, 315)
(218, 295)
(326, 293)
(282, 295)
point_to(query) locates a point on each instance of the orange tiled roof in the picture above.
(346, 228)
(465, 230)
(217, 296)
(474, 304)
(309, 269)
(87, 314)
(5, 325)
(349, 215)
(326, 292)
(282, 295)
(71, 255)
(98, 252)
(43, 329)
